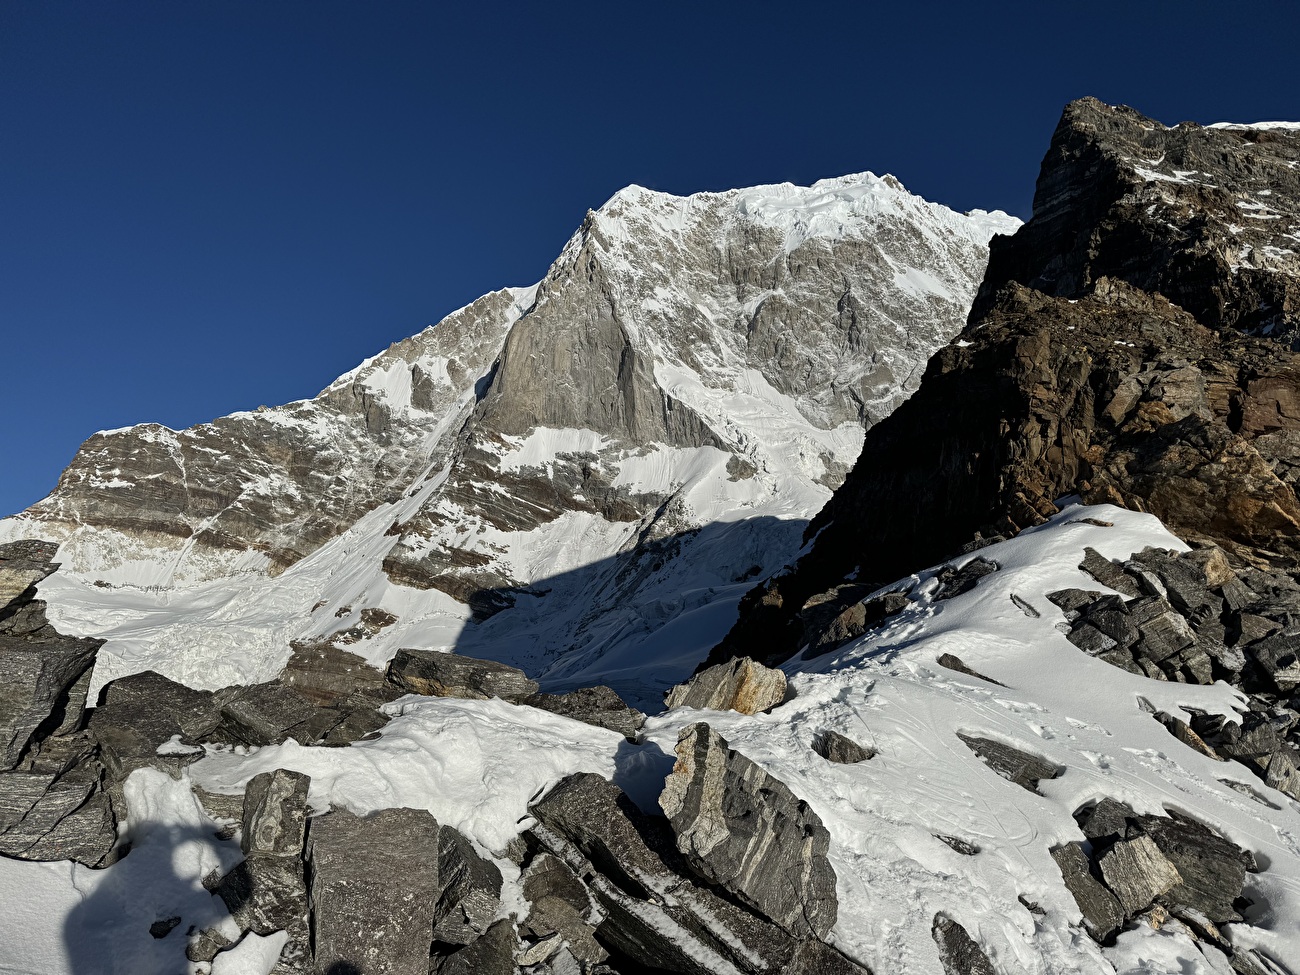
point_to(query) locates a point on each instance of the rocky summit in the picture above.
(800, 580)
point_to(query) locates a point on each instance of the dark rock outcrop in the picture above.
(835, 747)
(745, 830)
(1014, 765)
(655, 911)
(1157, 374)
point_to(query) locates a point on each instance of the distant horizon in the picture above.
(204, 209)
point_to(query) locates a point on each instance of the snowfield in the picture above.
(478, 764)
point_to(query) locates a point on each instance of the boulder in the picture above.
(137, 714)
(1108, 573)
(270, 714)
(491, 954)
(374, 891)
(953, 581)
(438, 674)
(955, 663)
(275, 813)
(741, 684)
(1022, 768)
(469, 890)
(835, 747)
(23, 564)
(1137, 873)
(654, 912)
(744, 830)
(1102, 914)
(1211, 869)
(959, 953)
(600, 706)
(37, 675)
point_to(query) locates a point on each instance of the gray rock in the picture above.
(137, 714)
(958, 951)
(741, 684)
(359, 916)
(1071, 601)
(37, 674)
(23, 564)
(1106, 820)
(469, 890)
(1137, 873)
(1212, 869)
(954, 582)
(1022, 768)
(1277, 655)
(491, 954)
(653, 909)
(741, 828)
(1091, 640)
(266, 894)
(1102, 914)
(955, 663)
(1108, 573)
(206, 945)
(439, 674)
(270, 714)
(835, 747)
(600, 706)
(275, 813)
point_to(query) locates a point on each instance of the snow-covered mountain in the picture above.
(609, 455)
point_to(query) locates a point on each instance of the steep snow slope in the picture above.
(476, 764)
(589, 470)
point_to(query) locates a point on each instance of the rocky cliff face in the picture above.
(684, 361)
(1080, 374)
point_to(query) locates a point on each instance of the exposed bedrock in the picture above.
(1091, 386)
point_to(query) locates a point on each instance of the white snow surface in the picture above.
(1292, 126)
(477, 764)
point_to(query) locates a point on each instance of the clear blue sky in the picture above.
(208, 205)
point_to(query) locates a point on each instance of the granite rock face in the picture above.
(746, 831)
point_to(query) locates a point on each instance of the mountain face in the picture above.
(1072, 379)
(688, 370)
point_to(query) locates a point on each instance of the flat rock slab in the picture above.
(742, 685)
(600, 706)
(374, 891)
(438, 674)
(745, 830)
(1022, 768)
(1137, 873)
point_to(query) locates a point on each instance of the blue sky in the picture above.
(208, 206)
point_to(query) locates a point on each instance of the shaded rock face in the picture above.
(600, 706)
(745, 830)
(53, 801)
(742, 685)
(1090, 386)
(958, 951)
